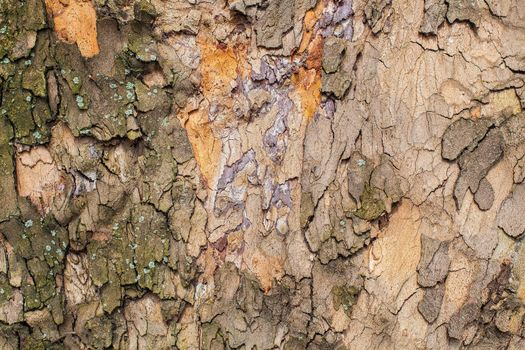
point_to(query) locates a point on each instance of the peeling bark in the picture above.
(249, 174)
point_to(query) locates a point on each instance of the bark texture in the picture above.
(262, 174)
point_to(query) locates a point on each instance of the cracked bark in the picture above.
(249, 174)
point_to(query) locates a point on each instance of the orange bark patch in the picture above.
(266, 268)
(219, 67)
(75, 21)
(475, 112)
(307, 81)
(310, 19)
(315, 53)
(206, 146)
(308, 87)
(38, 178)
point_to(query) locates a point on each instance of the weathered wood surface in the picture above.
(262, 174)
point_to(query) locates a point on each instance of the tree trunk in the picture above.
(262, 174)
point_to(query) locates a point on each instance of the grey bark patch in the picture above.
(307, 208)
(336, 276)
(295, 344)
(385, 178)
(111, 42)
(147, 100)
(333, 52)
(336, 84)
(273, 22)
(484, 196)
(344, 11)
(435, 11)
(499, 8)
(468, 314)
(328, 251)
(511, 215)
(258, 98)
(230, 172)
(182, 151)
(359, 171)
(475, 165)
(504, 318)
(513, 129)
(7, 183)
(461, 134)
(374, 11)
(434, 263)
(464, 10)
(238, 6)
(52, 92)
(430, 305)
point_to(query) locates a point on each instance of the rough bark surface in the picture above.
(262, 174)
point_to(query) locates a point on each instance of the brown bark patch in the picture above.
(75, 21)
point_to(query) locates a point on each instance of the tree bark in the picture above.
(262, 174)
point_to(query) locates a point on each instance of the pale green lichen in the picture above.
(80, 102)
